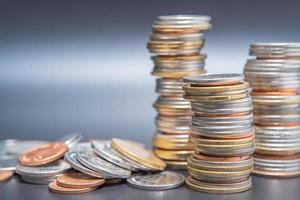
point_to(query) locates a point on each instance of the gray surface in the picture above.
(263, 189)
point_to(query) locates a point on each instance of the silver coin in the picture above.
(158, 181)
(83, 146)
(6, 144)
(47, 170)
(71, 139)
(91, 160)
(105, 151)
(70, 157)
(213, 78)
(21, 147)
(39, 181)
(8, 162)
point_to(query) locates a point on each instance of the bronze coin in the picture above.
(273, 93)
(78, 180)
(53, 187)
(283, 90)
(114, 181)
(43, 154)
(221, 159)
(5, 175)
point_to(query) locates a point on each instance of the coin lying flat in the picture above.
(158, 181)
(43, 154)
(8, 162)
(54, 187)
(5, 175)
(138, 153)
(78, 180)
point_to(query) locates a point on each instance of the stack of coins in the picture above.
(222, 133)
(274, 77)
(176, 41)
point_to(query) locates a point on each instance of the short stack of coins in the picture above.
(274, 77)
(176, 41)
(222, 133)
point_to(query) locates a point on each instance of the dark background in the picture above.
(83, 65)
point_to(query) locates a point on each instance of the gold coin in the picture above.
(138, 153)
(277, 151)
(178, 58)
(171, 145)
(225, 88)
(216, 188)
(216, 98)
(183, 30)
(53, 187)
(192, 170)
(78, 180)
(173, 155)
(177, 165)
(5, 175)
(206, 141)
(177, 74)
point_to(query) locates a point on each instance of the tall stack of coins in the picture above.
(274, 77)
(176, 41)
(222, 133)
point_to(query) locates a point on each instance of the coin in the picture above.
(107, 153)
(43, 154)
(8, 162)
(138, 153)
(159, 181)
(92, 161)
(78, 180)
(18, 147)
(173, 155)
(5, 175)
(71, 139)
(214, 79)
(54, 187)
(70, 157)
(47, 170)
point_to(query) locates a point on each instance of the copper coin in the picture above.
(273, 93)
(221, 115)
(287, 90)
(53, 187)
(79, 180)
(221, 159)
(43, 154)
(5, 175)
(275, 157)
(114, 181)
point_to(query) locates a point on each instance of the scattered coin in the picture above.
(158, 181)
(54, 187)
(43, 154)
(78, 180)
(5, 175)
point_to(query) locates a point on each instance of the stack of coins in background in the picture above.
(274, 77)
(176, 40)
(222, 133)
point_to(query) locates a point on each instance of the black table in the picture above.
(263, 189)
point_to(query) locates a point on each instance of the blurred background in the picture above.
(83, 65)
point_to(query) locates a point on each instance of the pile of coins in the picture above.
(274, 77)
(176, 41)
(86, 165)
(222, 133)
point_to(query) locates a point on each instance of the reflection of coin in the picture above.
(53, 187)
(78, 180)
(5, 175)
(43, 154)
(8, 162)
(138, 153)
(158, 181)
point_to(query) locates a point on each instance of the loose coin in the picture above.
(78, 180)
(159, 181)
(43, 154)
(138, 153)
(54, 187)
(5, 175)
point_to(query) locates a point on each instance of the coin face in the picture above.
(158, 181)
(5, 175)
(78, 180)
(46, 170)
(54, 187)
(8, 162)
(91, 160)
(43, 154)
(138, 153)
